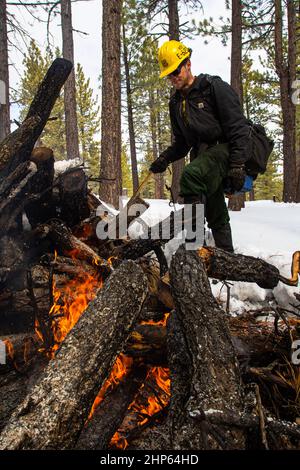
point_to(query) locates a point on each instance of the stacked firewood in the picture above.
(107, 345)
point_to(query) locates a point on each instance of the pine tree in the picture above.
(88, 122)
(270, 183)
(261, 94)
(35, 67)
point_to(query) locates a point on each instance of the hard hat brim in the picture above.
(172, 67)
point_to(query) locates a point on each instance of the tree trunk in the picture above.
(154, 137)
(4, 75)
(160, 176)
(110, 165)
(54, 412)
(298, 107)
(177, 167)
(134, 167)
(72, 143)
(236, 50)
(286, 74)
(236, 203)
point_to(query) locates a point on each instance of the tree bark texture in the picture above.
(53, 414)
(214, 378)
(223, 265)
(110, 164)
(236, 203)
(134, 167)
(4, 75)
(17, 146)
(154, 137)
(177, 167)
(72, 142)
(286, 72)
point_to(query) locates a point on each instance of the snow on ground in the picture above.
(263, 229)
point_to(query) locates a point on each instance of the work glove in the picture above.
(236, 176)
(159, 165)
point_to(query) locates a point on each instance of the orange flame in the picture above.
(162, 322)
(9, 349)
(118, 441)
(69, 304)
(120, 369)
(155, 403)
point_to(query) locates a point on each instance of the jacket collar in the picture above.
(195, 85)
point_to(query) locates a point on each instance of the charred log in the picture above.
(53, 414)
(148, 342)
(67, 243)
(42, 209)
(215, 380)
(13, 196)
(235, 267)
(110, 413)
(73, 192)
(17, 147)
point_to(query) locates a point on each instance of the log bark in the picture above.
(110, 413)
(53, 414)
(73, 193)
(17, 147)
(215, 379)
(16, 384)
(235, 267)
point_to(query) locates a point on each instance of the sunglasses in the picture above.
(177, 71)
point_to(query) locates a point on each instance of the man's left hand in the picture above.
(237, 175)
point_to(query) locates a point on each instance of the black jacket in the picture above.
(209, 113)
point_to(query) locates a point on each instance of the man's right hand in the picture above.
(159, 165)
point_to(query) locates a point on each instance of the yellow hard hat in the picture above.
(170, 56)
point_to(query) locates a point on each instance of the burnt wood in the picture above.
(214, 380)
(53, 414)
(110, 413)
(42, 209)
(73, 192)
(236, 267)
(13, 196)
(17, 146)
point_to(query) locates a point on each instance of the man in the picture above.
(206, 119)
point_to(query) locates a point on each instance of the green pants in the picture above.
(204, 175)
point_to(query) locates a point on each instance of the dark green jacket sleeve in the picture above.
(234, 124)
(179, 148)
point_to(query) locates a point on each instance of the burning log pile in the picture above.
(107, 346)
